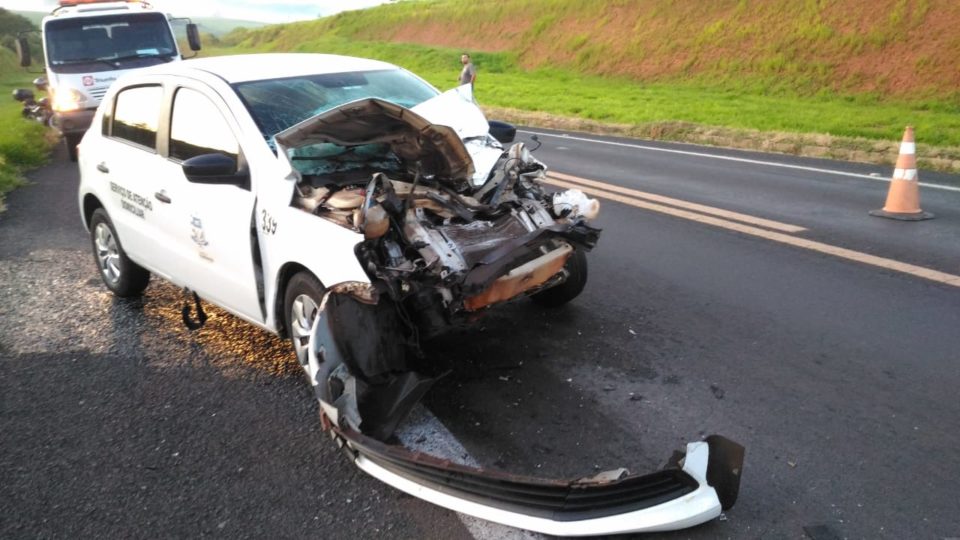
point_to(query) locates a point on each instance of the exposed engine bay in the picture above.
(441, 242)
(442, 252)
(452, 225)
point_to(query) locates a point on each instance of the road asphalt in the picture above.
(838, 377)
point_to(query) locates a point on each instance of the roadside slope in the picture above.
(835, 79)
(888, 47)
(23, 144)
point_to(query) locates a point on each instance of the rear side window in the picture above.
(136, 115)
(197, 128)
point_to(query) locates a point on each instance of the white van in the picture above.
(88, 44)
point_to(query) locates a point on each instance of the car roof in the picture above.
(255, 67)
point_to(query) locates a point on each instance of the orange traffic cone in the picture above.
(903, 199)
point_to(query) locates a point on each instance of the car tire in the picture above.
(71, 141)
(301, 301)
(571, 288)
(122, 276)
(503, 132)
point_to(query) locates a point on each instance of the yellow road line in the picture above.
(744, 218)
(843, 253)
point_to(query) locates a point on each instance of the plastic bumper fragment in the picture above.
(672, 498)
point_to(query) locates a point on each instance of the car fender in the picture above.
(288, 235)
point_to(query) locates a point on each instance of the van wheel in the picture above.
(72, 141)
(571, 288)
(301, 303)
(121, 275)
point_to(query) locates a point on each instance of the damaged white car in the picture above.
(351, 206)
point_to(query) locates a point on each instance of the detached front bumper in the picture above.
(692, 490)
(364, 387)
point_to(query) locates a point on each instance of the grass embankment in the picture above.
(23, 144)
(855, 128)
(796, 77)
(903, 48)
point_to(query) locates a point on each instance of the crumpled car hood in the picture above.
(438, 148)
(456, 108)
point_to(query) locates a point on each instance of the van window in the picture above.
(92, 44)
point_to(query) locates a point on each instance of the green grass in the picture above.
(23, 144)
(777, 46)
(767, 70)
(502, 83)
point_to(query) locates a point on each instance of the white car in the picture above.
(351, 206)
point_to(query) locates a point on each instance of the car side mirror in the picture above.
(23, 51)
(193, 37)
(502, 131)
(215, 169)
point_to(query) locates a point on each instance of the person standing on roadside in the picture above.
(469, 73)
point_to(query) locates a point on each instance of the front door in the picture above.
(215, 225)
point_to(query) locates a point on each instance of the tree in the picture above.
(11, 26)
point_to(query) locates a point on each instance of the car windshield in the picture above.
(277, 104)
(108, 42)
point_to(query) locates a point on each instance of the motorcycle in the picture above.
(35, 109)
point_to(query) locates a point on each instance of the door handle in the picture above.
(102, 167)
(162, 197)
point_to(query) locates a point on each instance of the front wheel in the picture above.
(301, 304)
(72, 141)
(559, 295)
(121, 275)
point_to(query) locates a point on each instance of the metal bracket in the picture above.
(201, 314)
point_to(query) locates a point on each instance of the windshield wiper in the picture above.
(331, 157)
(85, 61)
(140, 55)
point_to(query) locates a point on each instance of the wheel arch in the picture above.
(90, 205)
(286, 272)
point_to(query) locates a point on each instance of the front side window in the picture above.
(197, 128)
(136, 115)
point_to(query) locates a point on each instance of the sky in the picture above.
(251, 10)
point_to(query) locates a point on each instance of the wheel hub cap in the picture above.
(303, 313)
(108, 255)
